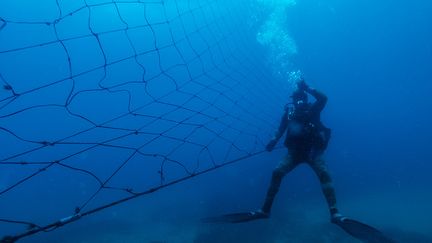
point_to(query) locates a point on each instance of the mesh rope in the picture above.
(105, 101)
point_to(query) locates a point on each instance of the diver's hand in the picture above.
(302, 86)
(270, 146)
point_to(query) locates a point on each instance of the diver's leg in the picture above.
(320, 168)
(285, 166)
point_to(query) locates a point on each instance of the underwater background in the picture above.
(171, 103)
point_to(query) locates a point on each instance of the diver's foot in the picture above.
(337, 218)
(259, 214)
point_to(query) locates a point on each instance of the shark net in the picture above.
(105, 101)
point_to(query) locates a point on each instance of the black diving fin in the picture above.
(362, 231)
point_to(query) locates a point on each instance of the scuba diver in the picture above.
(306, 140)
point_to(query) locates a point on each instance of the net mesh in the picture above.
(104, 101)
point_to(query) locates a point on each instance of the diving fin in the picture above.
(362, 231)
(236, 217)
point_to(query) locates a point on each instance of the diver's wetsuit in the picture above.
(306, 141)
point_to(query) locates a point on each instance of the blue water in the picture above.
(103, 100)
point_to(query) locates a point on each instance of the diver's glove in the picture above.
(302, 86)
(270, 146)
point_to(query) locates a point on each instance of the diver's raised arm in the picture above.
(321, 98)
